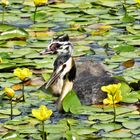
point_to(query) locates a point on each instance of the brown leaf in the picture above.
(17, 87)
(129, 63)
(37, 81)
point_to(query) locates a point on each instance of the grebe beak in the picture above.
(46, 51)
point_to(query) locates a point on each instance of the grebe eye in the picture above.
(67, 48)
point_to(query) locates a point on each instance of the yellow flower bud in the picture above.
(9, 92)
(5, 3)
(40, 2)
(22, 74)
(43, 113)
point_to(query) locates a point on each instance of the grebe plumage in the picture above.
(85, 78)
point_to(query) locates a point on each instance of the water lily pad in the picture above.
(87, 110)
(16, 122)
(71, 101)
(132, 124)
(119, 110)
(118, 134)
(83, 131)
(8, 112)
(3, 116)
(7, 66)
(4, 27)
(124, 48)
(107, 126)
(11, 136)
(59, 128)
(136, 132)
(101, 116)
(63, 5)
(14, 33)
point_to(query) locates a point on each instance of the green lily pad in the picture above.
(3, 116)
(8, 112)
(14, 33)
(107, 126)
(11, 136)
(59, 128)
(16, 122)
(71, 101)
(136, 132)
(101, 116)
(118, 134)
(124, 48)
(83, 131)
(87, 110)
(132, 124)
(7, 66)
(63, 5)
(119, 109)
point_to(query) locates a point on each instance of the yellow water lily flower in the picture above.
(22, 74)
(9, 92)
(40, 2)
(4, 2)
(113, 93)
(138, 1)
(110, 99)
(43, 113)
(112, 88)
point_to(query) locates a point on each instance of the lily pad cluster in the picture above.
(100, 30)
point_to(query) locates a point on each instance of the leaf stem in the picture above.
(43, 133)
(3, 14)
(125, 2)
(11, 106)
(23, 92)
(114, 109)
(35, 14)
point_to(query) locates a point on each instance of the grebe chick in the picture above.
(85, 78)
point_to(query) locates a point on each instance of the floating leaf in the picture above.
(129, 63)
(131, 30)
(131, 97)
(107, 126)
(101, 116)
(136, 132)
(11, 136)
(71, 101)
(83, 131)
(100, 30)
(124, 48)
(132, 124)
(118, 134)
(18, 33)
(8, 112)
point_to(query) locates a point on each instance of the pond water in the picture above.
(102, 31)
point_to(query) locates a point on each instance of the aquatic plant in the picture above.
(22, 74)
(113, 95)
(42, 114)
(9, 92)
(4, 3)
(38, 3)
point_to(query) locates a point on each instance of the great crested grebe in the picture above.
(85, 78)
